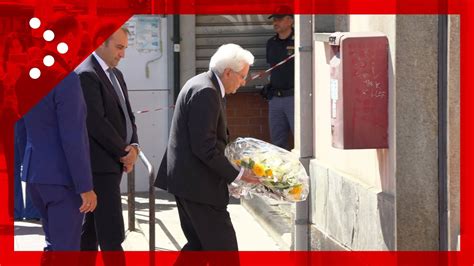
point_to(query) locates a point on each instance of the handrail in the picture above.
(151, 200)
(131, 200)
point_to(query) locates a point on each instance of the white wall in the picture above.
(370, 166)
(148, 44)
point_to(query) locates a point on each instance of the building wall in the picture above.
(379, 199)
(247, 116)
(416, 79)
(353, 190)
(148, 89)
(188, 47)
(368, 166)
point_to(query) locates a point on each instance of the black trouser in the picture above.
(207, 228)
(105, 227)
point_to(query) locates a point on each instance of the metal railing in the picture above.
(151, 198)
(131, 200)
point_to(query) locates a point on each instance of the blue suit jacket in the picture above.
(57, 149)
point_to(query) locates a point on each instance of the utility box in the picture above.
(359, 90)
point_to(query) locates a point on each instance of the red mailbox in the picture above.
(359, 90)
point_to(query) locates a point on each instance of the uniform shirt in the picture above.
(282, 77)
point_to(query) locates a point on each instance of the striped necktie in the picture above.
(118, 91)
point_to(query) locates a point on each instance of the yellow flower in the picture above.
(296, 191)
(258, 169)
(237, 162)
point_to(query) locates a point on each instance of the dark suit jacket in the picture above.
(194, 166)
(57, 149)
(105, 118)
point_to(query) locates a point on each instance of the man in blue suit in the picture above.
(56, 163)
(23, 206)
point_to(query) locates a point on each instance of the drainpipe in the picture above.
(442, 131)
(176, 57)
(303, 121)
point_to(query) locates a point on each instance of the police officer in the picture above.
(281, 88)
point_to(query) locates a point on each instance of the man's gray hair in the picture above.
(230, 56)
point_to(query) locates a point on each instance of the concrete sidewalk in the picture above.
(250, 234)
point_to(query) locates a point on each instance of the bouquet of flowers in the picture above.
(282, 175)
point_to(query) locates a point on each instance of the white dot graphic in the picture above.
(48, 35)
(35, 73)
(35, 23)
(48, 60)
(62, 48)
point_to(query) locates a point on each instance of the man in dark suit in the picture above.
(112, 136)
(194, 167)
(56, 164)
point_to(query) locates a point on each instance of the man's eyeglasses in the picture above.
(244, 77)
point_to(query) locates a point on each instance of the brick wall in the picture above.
(247, 116)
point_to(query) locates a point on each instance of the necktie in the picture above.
(121, 97)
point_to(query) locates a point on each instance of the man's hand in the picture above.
(131, 156)
(250, 177)
(127, 168)
(89, 201)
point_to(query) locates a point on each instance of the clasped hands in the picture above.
(129, 159)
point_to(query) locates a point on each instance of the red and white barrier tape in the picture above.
(273, 67)
(154, 110)
(252, 78)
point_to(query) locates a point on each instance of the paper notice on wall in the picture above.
(131, 26)
(145, 33)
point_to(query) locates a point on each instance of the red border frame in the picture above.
(465, 257)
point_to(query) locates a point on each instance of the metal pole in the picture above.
(131, 200)
(152, 214)
(443, 131)
(303, 114)
(151, 198)
(176, 56)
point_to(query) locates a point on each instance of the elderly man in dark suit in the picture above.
(112, 136)
(194, 167)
